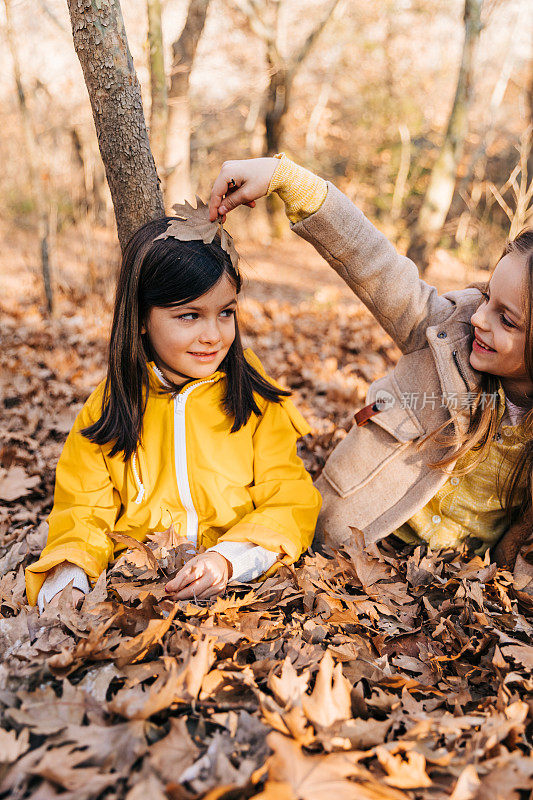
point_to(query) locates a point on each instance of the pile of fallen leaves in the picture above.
(368, 675)
(375, 676)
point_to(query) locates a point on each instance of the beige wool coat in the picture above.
(376, 479)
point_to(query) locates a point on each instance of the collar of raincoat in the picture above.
(157, 379)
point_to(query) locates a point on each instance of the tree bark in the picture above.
(102, 47)
(158, 85)
(178, 143)
(439, 194)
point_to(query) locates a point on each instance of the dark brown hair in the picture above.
(484, 417)
(164, 273)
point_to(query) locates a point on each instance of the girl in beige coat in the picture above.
(442, 451)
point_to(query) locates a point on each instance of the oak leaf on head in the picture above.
(194, 225)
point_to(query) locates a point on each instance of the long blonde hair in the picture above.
(484, 417)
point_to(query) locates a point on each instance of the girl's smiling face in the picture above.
(192, 340)
(500, 327)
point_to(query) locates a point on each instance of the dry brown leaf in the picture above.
(136, 648)
(329, 701)
(405, 770)
(147, 557)
(198, 666)
(467, 784)
(318, 776)
(11, 746)
(194, 224)
(171, 755)
(276, 790)
(522, 654)
(147, 787)
(289, 687)
(15, 483)
(137, 703)
(167, 539)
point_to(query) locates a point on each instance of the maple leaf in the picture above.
(194, 225)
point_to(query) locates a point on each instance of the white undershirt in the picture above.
(248, 561)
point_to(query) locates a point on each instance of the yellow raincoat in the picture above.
(189, 470)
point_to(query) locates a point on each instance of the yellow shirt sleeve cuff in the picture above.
(302, 191)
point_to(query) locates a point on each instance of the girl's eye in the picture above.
(228, 312)
(503, 318)
(189, 316)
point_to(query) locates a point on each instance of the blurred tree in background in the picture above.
(370, 106)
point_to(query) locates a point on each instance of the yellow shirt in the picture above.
(302, 192)
(467, 506)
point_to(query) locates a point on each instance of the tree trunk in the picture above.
(439, 194)
(158, 85)
(32, 161)
(102, 47)
(178, 147)
(276, 106)
(282, 73)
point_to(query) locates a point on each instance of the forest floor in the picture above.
(377, 676)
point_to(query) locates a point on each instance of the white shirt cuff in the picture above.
(59, 577)
(248, 560)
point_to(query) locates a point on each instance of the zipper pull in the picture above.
(179, 405)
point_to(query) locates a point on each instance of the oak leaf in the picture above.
(288, 687)
(15, 483)
(405, 770)
(329, 701)
(171, 755)
(318, 776)
(146, 557)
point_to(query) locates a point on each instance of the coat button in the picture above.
(507, 432)
(435, 518)
(454, 480)
(442, 335)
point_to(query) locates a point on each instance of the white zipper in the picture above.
(140, 485)
(180, 460)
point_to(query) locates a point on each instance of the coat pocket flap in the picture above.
(358, 458)
(396, 416)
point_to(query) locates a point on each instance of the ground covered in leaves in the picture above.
(368, 675)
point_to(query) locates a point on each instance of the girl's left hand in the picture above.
(203, 576)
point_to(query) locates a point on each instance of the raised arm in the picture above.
(387, 283)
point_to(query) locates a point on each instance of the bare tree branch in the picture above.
(302, 54)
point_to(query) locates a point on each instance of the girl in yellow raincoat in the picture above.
(186, 430)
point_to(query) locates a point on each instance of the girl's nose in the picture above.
(478, 319)
(210, 334)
